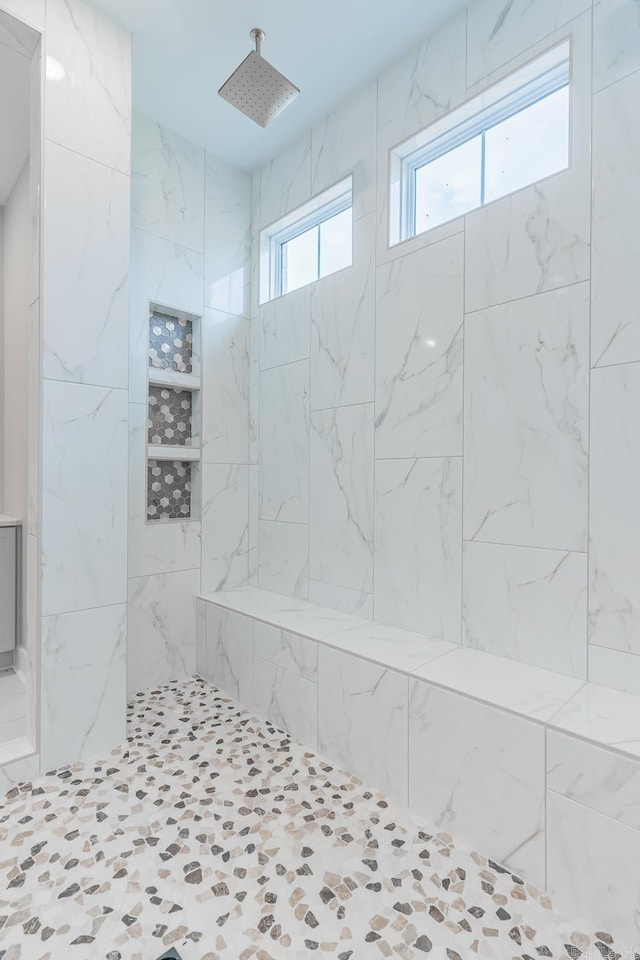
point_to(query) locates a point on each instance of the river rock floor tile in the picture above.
(215, 833)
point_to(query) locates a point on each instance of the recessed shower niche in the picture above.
(173, 415)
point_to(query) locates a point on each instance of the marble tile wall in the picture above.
(444, 434)
(79, 517)
(190, 243)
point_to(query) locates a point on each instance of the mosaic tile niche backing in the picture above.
(168, 490)
(170, 416)
(170, 343)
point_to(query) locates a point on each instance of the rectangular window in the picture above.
(310, 243)
(513, 134)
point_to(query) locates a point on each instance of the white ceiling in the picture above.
(16, 46)
(183, 50)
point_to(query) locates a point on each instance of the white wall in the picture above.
(480, 489)
(190, 251)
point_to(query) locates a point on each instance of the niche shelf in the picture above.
(173, 415)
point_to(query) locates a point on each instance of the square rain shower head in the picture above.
(257, 89)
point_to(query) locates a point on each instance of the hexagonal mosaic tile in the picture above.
(168, 490)
(170, 343)
(170, 416)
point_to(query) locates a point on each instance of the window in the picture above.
(513, 134)
(308, 244)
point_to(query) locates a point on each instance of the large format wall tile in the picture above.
(284, 329)
(165, 274)
(614, 523)
(526, 421)
(162, 627)
(283, 564)
(284, 443)
(341, 497)
(343, 327)
(30, 11)
(227, 237)
(89, 108)
(167, 190)
(362, 720)
(614, 668)
(498, 31)
(419, 321)
(527, 604)
(588, 870)
(229, 653)
(343, 143)
(418, 546)
(285, 182)
(153, 547)
(225, 376)
(288, 701)
(291, 652)
(84, 496)
(86, 275)
(342, 598)
(616, 40)
(225, 533)
(478, 777)
(83, 684)
(615, 317)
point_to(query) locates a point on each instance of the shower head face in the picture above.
(258, 89)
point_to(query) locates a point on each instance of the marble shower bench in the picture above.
(538, 770)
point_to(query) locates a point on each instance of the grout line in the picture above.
(63, 146)
(526, 546)
(529, 296)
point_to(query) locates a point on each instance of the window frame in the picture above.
(506, 98)
(321, 208)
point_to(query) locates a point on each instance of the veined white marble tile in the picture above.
(341, 598)
(35, 171)
(225, 397)
(283, 557)
(526, 604)
(424, 84)
(285, 182)
(227, 237)
(17, 36)
(87, 274)
(83, 694)
(34, 388)
(497, 30)
(526, 421)
(289, 613)
(419, 347)
(538, 238)
(479, 777)
(343, 143)
(594, 776)
(288, 650)
(288, 701)
(254, 523)
(167, 189)
(343, 327)
(392, 647)
(21, 770)
(162, 628)
(284, 443)
(614, 506)
(254, 390)
(230, 653)
(201, 636)
(153, 547)
(225, 526)
(362, 720)
(589, 870)
(31, 627)
(613, 668)
(601, 714)
(29, 11)
(419, 502)
(284, 328)
(88, 107)
(529, 691)
(341, 497)
(615, 321)
(616, 40)
(162, 273)
(84, 497)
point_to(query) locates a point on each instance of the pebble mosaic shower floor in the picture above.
(214, 833)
